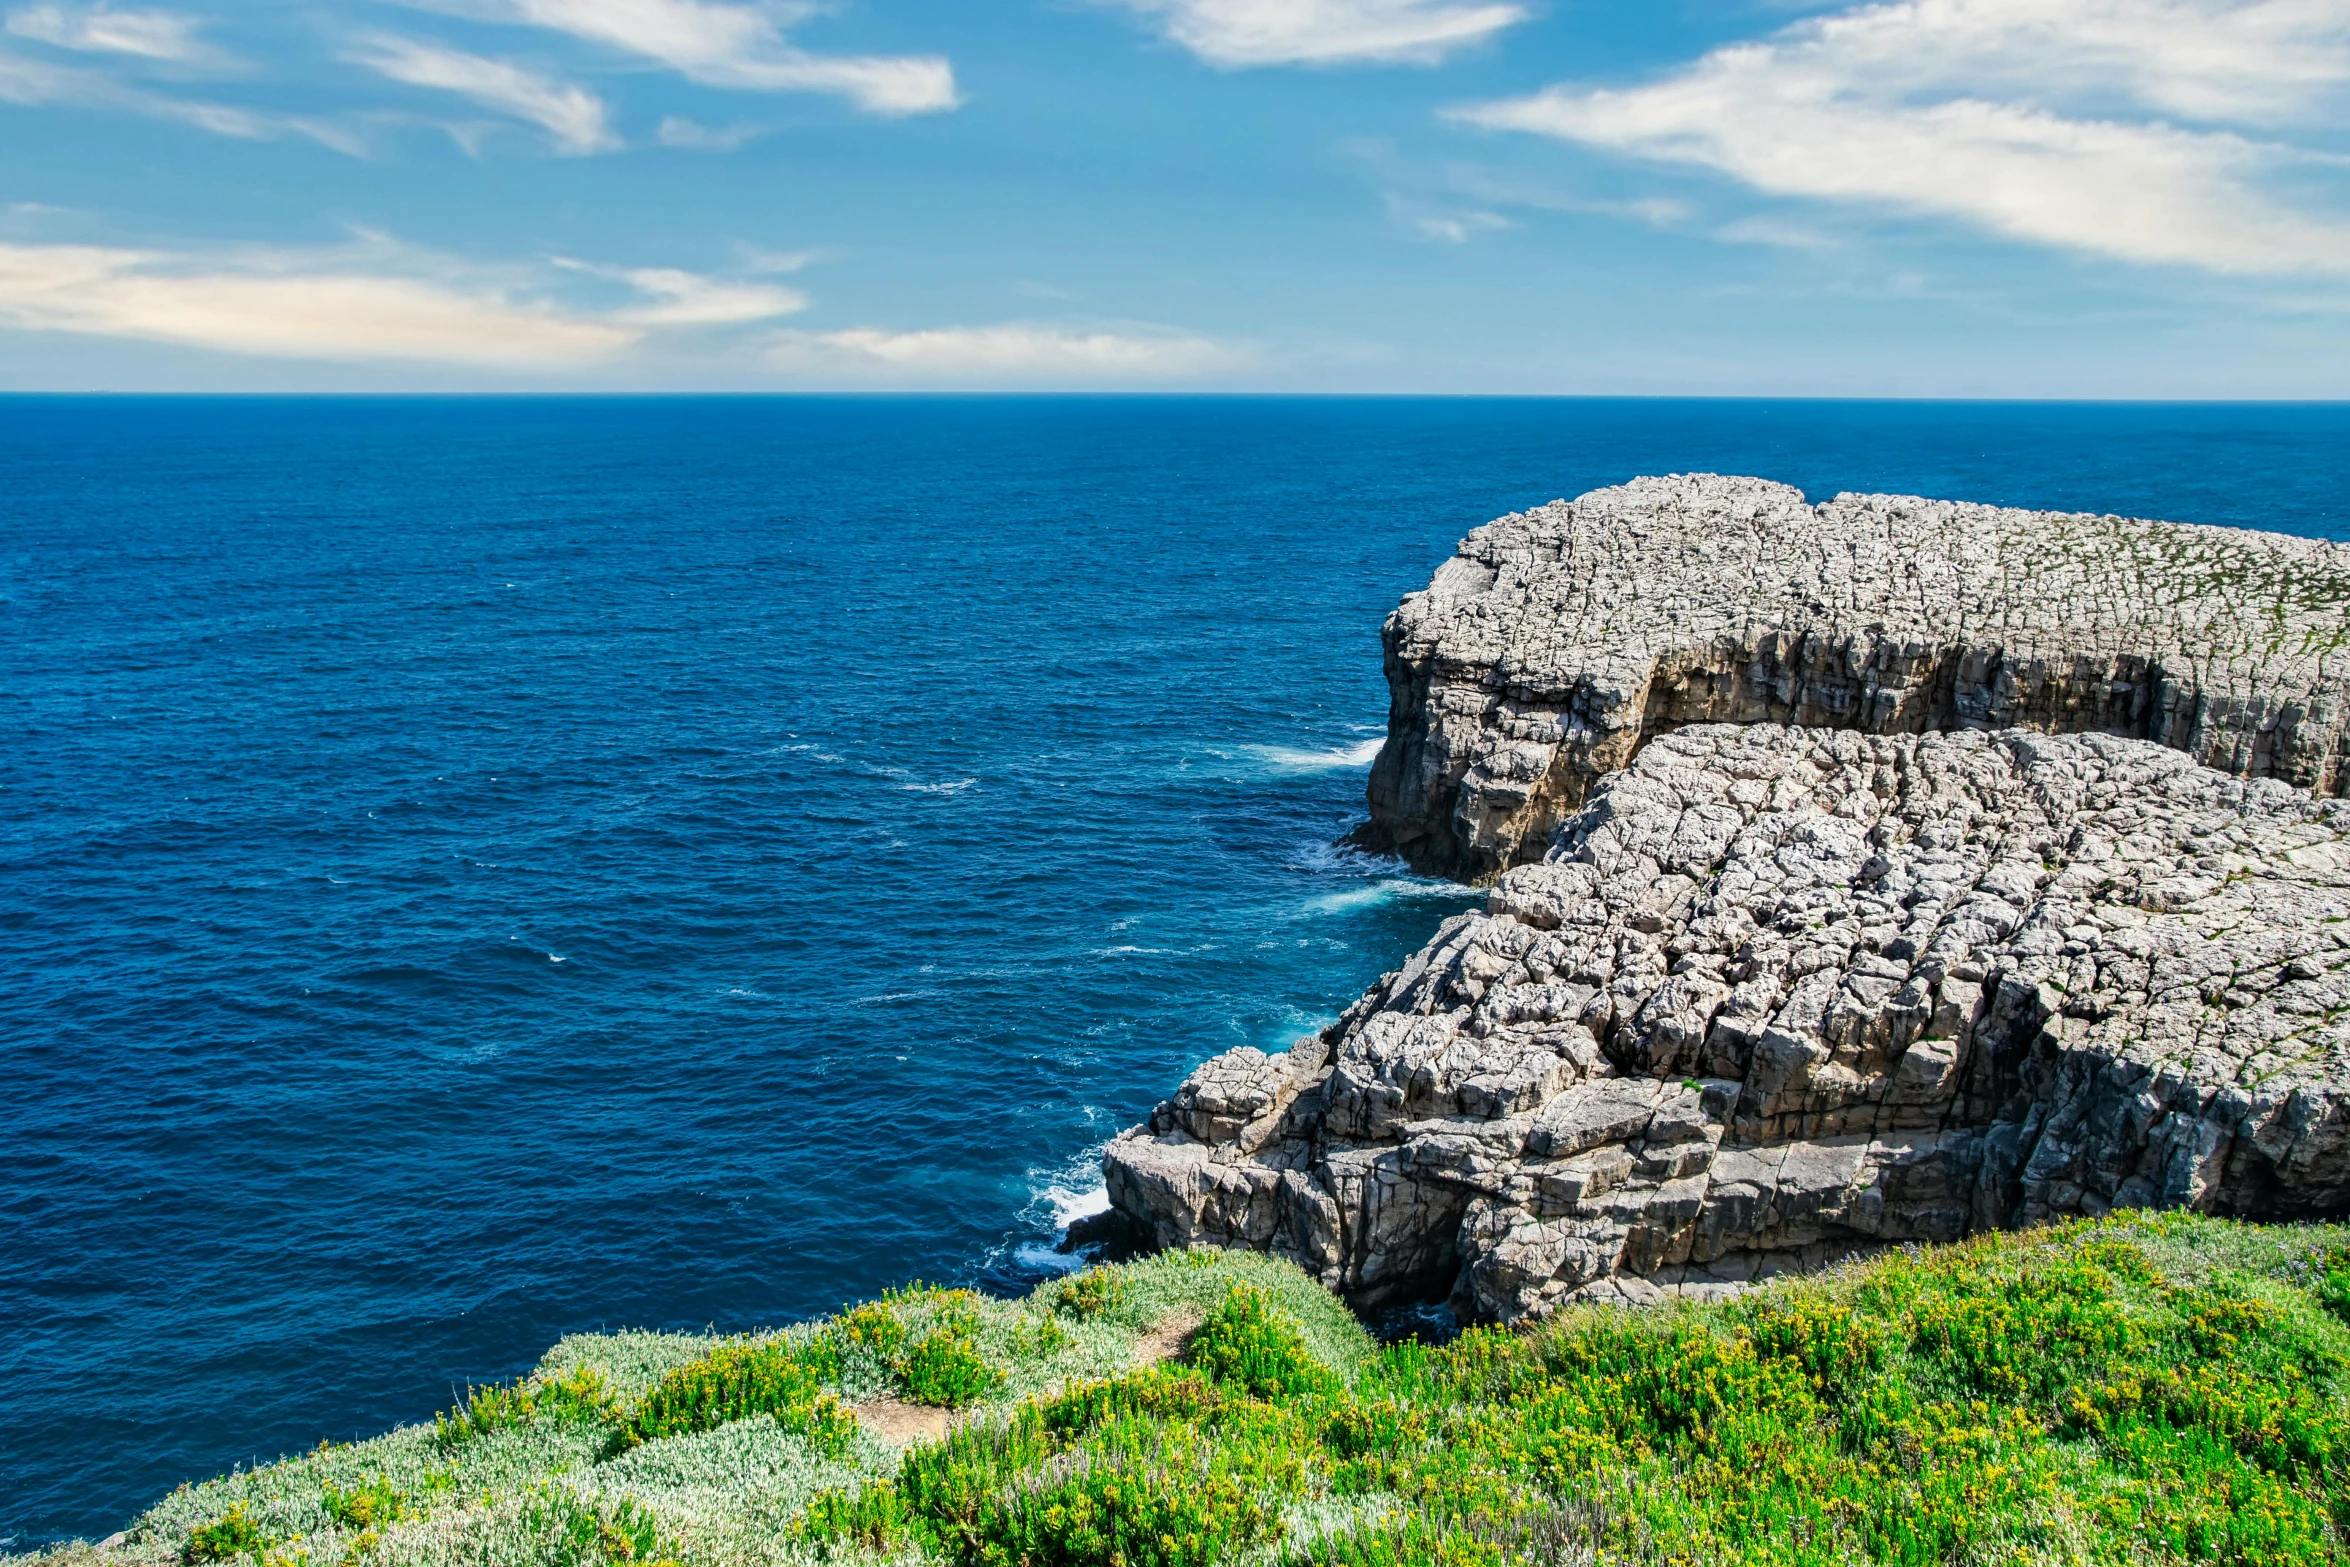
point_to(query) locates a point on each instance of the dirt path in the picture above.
(895, 1420)
(1167, 1337)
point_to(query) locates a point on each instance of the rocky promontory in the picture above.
(1556, 640)
(1766, 993)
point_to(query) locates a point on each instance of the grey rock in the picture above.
(1556, 640)
(1776, 995)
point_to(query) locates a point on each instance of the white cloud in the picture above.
(686, 299)
(373, 302)
(1012, 352)
(677, 131)
(573, 116)
(1239, 33)
(37, 84)
(1457, 228)
(743, 47)
(274, 313)
(678, 298)
(2049, 121)
(150, 35)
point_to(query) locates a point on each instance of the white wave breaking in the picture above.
(1294, 759)
(1391, 889)
(1058, 1196)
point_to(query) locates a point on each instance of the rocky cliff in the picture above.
(1774, 993)
(1556, 640)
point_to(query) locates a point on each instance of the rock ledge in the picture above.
(1777, 992)
(1556, 640)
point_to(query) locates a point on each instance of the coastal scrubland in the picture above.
(2141, 1389)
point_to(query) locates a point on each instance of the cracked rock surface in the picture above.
(1776, 994)
(1556, 640)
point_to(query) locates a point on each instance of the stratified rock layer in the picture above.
(1557, 639)
(1778, 994)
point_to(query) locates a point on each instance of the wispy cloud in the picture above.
(1015, 352)
(677, 131)
(1455, 201)
(374, 302)
(677, 298)
(2055, 122)
(148, 35)
(568, 112)
(1235, 34)
(743, 47)
(40, 84)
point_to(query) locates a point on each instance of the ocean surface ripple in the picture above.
(474, 869)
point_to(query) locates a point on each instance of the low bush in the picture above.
(947, 1370)
(873, 1331)
(572, 1531)
(369, 1504)
(1093, 1293)
(1249, 1341)
(579, 1395)
(1161, 1508)
(233, 1534)
(739, 1379)
(1040, 1338)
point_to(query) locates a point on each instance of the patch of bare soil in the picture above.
(1167, 1337)
(895, 1420)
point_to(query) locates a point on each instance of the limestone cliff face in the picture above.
(1557, 640)
(1776, 994)
(1866, 872)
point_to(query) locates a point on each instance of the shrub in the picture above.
(1093, 1293)
(1156, 1394)
(2332, 1285)
(1414, 1540)
(872, 1331)
(1250, 1342)
(368, 1505)
(946, 1369)
(738, 1379)
(234, 1533)
(1140, 1512)
(1040, 1338)
(1837, 1350)
(574, 1532)
(873, 1518)
(825, 1423)
(579, 1395)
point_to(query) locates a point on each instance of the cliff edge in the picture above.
(1749, 996)
(1556, 640)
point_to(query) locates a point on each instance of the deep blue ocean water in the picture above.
(476, 869)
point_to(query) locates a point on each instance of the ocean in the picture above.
(476, 869)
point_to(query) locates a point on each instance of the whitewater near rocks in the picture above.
(1771, 993)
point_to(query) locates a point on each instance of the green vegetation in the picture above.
(231, 1535)
(2141, 1390)
(1091, 1293)
(579, 1396)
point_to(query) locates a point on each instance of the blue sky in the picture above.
(1923, 198)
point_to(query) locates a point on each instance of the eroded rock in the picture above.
(1777, 994)
(1544, 652)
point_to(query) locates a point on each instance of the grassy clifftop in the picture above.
(2144, 1389)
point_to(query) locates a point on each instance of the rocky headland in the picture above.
(1879, 871)
(1556, 641)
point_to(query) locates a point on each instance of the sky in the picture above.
(1922, 198)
